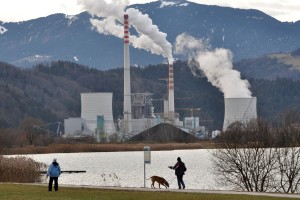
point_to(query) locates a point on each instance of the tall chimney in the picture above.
(171, 114)
(127, 90)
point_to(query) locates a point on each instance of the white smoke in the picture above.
(189, 46)
(103, 9)
(108, 26)
(216, 65)
(149, 37)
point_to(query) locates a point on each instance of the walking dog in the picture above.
(159, 180)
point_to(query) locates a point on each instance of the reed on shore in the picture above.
(20, 169)
(104, 147)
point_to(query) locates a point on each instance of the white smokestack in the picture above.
(127, 89)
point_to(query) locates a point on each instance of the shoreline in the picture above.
(104, 147)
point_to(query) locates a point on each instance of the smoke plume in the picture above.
(216, 64)
(149, 37)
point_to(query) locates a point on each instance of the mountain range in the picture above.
(247, 33)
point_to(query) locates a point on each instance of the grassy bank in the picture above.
(19, 191)
(104, 147)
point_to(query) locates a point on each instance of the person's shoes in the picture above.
(183, 187)
(179, 188)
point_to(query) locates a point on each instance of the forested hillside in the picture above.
(272, 66)
(51, 92)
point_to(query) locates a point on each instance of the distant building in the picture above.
(191, 122)
(96, 116)
(143, 116)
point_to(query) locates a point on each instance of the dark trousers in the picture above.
(180, 181)
(55, 179)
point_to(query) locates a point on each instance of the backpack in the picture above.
(184, 168)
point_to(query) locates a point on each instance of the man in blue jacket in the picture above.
(54, 172)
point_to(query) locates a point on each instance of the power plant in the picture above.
(138, 111)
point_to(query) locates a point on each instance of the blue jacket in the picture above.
(54, 170)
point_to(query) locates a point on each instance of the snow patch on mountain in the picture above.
(31, 60)
(71, 19)
(254, 17)
(173, 3)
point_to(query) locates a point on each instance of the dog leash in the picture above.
(172, 181)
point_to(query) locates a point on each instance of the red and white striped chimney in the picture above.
(171, 115)
(127, 88)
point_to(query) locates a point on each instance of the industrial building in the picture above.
(142, 116)
(96, 117)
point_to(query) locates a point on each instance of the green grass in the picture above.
(24, 191)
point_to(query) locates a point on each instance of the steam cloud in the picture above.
(216, 65)
(149, 37)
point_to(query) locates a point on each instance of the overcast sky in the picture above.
(21, 10)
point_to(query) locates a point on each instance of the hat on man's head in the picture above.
(54, 160)
(178, 159)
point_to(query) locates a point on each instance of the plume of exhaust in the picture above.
(189, 46)
(216, 64)
(109, 27)
(149, 37)
(102, 8)
(145, 26)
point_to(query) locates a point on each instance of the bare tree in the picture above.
(288, 157)
(289, 169)
(29, 126)
(287, 129)
(257, 157)
(243, 159)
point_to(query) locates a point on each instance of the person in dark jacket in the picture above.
(179, 168)
(54, 172)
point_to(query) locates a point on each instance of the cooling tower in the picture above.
(239, 109)
(127, 89)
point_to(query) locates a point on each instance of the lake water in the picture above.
(126, 169)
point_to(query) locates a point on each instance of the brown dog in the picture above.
(159, 180)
